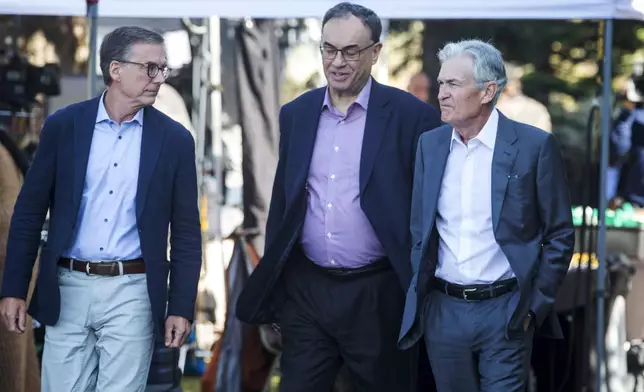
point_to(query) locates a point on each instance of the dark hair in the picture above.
(117, 44)
(367, 16)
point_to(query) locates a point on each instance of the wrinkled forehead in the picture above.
(148, 53)
(346, 31)
(458, 68)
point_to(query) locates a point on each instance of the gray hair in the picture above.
(367, 16)
(117, 44)
(488, 62)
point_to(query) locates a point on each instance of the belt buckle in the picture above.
(87, 271)
(465, 291)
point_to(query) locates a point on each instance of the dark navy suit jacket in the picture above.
(395, 120)
(166, 196)
(531, 214)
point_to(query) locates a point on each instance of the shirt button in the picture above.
(111, 192)
(116, 164)
(120, 137)
(342, 122)
(101, 249)
(328, 235)
(333, 262)
(329, 205)
(105, 219)
(333, 176)
(336, 148)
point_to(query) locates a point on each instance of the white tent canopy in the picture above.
(388, 9)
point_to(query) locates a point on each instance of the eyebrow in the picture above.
(451, 80)
(351, 46)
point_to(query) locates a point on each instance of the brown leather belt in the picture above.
(104, 268)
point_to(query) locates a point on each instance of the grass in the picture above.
(191, 384)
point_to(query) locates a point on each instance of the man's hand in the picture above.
(177, 330)
(527, 321)
(13, 312)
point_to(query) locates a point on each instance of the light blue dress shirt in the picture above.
(106, 228)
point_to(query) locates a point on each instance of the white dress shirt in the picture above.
(468, 252)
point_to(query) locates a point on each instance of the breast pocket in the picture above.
(519, 206)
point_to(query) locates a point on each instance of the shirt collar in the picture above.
(362, 99)
(102, 115)
(487, 136)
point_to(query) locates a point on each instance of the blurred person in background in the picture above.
(19, 367)
(420, 86)
(517, 106)
(336, 263)
(115, 174)
(626, 173)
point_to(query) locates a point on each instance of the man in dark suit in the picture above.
(114, 174)
(492, 232)
(337, 257)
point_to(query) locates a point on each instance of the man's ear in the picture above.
(115, 71)
(489, 92)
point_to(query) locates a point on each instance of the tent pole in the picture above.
(92, 23)
(214, 37)
(603, 202)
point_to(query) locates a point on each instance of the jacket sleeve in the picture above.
(416, 219)
(553, 202)
(185, 234)
(30, 212)
(278, 197)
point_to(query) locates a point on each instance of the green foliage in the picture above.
(534, 43)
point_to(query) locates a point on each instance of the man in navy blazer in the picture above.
(115, 174)
(336, 261)
(492, 232)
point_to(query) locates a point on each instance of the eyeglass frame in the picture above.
(165, 70)
(343, 51)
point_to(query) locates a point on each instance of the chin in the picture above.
(148, 101)
(340, 87)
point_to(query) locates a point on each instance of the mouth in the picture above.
(339, 75)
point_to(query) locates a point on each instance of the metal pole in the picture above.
(214, 27)
(202, 111)
(603, 202)
(92, 24)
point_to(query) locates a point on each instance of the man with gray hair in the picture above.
(491, 228)
(115, 174)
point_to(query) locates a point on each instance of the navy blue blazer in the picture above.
(531, 215)
(166, 196)
(395, 120)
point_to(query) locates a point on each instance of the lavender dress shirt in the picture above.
(336, 232)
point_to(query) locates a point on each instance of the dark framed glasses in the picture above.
(152, 68)
(350, 53)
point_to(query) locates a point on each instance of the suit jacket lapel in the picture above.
(435, 165)
(303, 131)
(151, 141)
(502, 163)
(375, 127)
(84, 125)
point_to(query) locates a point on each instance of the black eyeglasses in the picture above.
(152, 68)
(348, 54)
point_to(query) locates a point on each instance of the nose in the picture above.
(159, 78)
(338, 61)
(442, 93)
